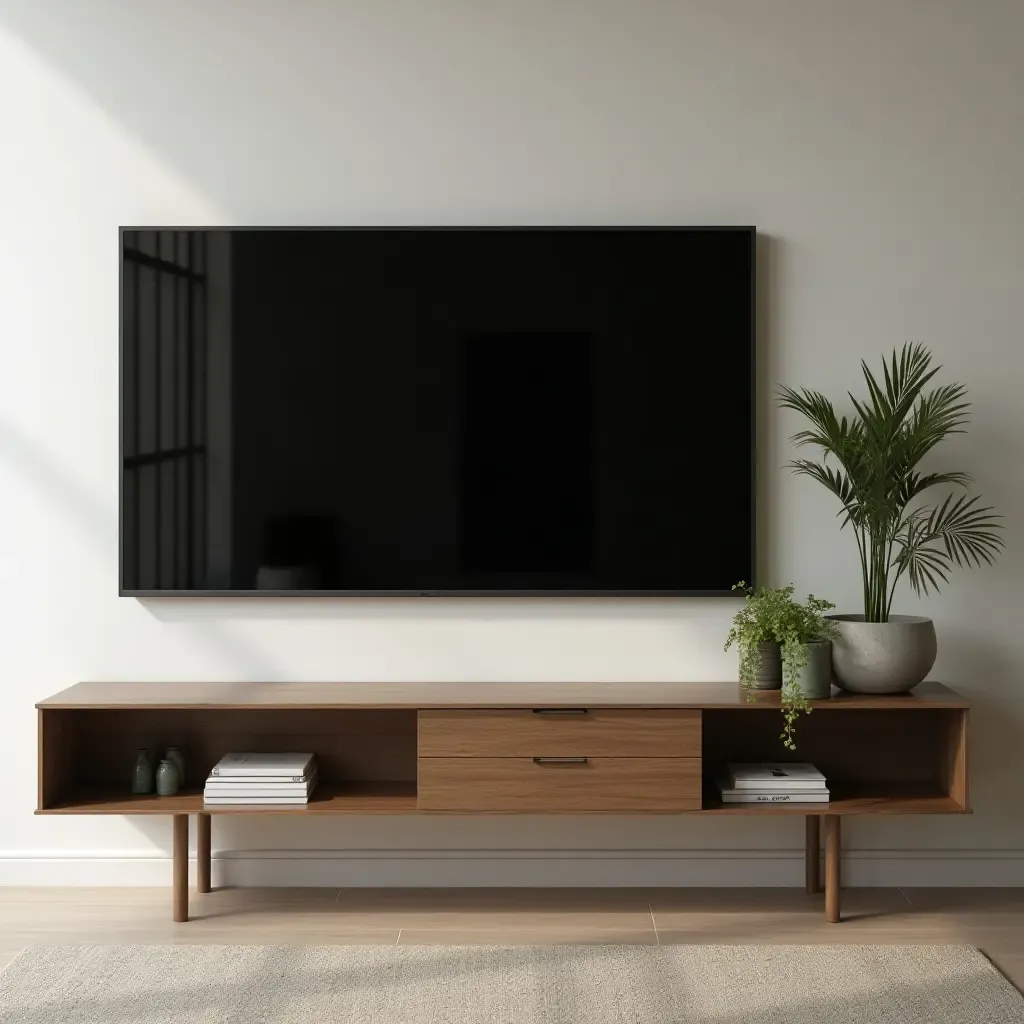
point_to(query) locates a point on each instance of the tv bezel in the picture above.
(749, 230)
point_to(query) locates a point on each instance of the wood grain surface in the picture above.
(991, 919)
(179, 868)
(467, 695)
(833, 868)
(621, 785)
(327, 798)
(600, 732)
(853, 798)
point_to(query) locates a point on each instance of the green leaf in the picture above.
(914, 483)
(968, 531)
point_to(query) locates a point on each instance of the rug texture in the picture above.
(506, 985)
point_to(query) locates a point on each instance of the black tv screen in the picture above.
(437, 411)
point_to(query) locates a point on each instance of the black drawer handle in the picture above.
(559, 760)
(560, 711)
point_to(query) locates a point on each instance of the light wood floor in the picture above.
(992, 919)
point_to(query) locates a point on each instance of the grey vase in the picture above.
(142, 774)
(883, 657)
(167, 781)
(768, 675)
(174, 754)
(815, 678)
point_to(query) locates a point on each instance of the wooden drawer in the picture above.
(623, 785)
(591, 732)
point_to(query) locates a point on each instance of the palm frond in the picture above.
(924, 565)
(957, 532)
(830, 432)
(913, 483)
(834, 480)
(839, 438)
(968, 531)
(904, 381)
(921, 563)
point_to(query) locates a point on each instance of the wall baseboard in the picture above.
(518, 868)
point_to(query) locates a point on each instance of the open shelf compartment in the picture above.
(875, 761)
(366, 759)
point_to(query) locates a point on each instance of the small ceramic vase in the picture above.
(174, 754)
(167, 781)
(142, 776)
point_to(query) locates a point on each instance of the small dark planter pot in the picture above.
(769, 666)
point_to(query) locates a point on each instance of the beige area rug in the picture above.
(506, 985)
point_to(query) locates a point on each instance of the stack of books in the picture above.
(261, 779)
(773, 783)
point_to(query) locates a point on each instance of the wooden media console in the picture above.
(504, 748)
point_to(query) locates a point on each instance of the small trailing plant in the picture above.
(770, 615)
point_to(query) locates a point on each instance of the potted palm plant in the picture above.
(784, 645)
(871, 462)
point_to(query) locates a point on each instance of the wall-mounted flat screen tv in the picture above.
(437, 410)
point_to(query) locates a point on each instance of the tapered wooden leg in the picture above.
(179, 867)
(832, 865)
(203, 852)
(812, 855)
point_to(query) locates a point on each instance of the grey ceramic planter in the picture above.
(769, 666)
(815, 678)
(882, 657)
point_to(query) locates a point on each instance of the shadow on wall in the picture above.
(768, 265)
(693, 610)
(317, 97)
(993, 671)
(278, 118)
(96, 522)
(174, 77)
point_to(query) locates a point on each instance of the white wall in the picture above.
(879, 147)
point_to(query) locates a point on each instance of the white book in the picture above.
(274, 783)
(288, 765)
(774, 798)
(244, 801)
(276, 780)
(775, 776)
(216, 791)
